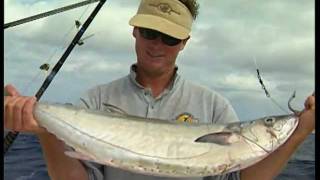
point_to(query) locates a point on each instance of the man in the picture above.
(152, 89)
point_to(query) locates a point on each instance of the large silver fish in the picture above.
(163, 148)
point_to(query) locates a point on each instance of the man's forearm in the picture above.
(60, 166)
(272, 165)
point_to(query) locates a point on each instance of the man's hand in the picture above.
(18, 112)
(18, 116)
(306, 118)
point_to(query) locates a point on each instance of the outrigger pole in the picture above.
(49, 13)
(12, 135)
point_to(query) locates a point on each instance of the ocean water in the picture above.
(302, 163)
(24, 161)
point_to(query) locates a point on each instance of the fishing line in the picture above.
(265, 89)
(255, 143)
(63, 43)
(85, 10)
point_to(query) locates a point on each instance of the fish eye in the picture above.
(269, 121)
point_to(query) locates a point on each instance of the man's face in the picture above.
(154, 56)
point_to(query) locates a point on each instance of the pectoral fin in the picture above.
(221, 138)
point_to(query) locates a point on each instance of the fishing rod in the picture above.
(12, 135)
(49, 13)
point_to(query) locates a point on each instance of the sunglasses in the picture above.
(150, 34)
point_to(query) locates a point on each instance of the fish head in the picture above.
(270, 132)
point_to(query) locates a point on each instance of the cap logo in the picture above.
(164, 8)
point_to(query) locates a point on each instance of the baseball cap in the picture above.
(170, 17)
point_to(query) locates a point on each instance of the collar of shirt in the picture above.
(174, 83)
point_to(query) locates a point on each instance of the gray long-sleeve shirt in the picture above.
(181, 101)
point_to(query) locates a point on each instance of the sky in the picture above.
(229, 40)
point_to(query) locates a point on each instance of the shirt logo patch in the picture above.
(186, 117)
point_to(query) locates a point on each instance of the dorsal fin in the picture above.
(114, 109)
